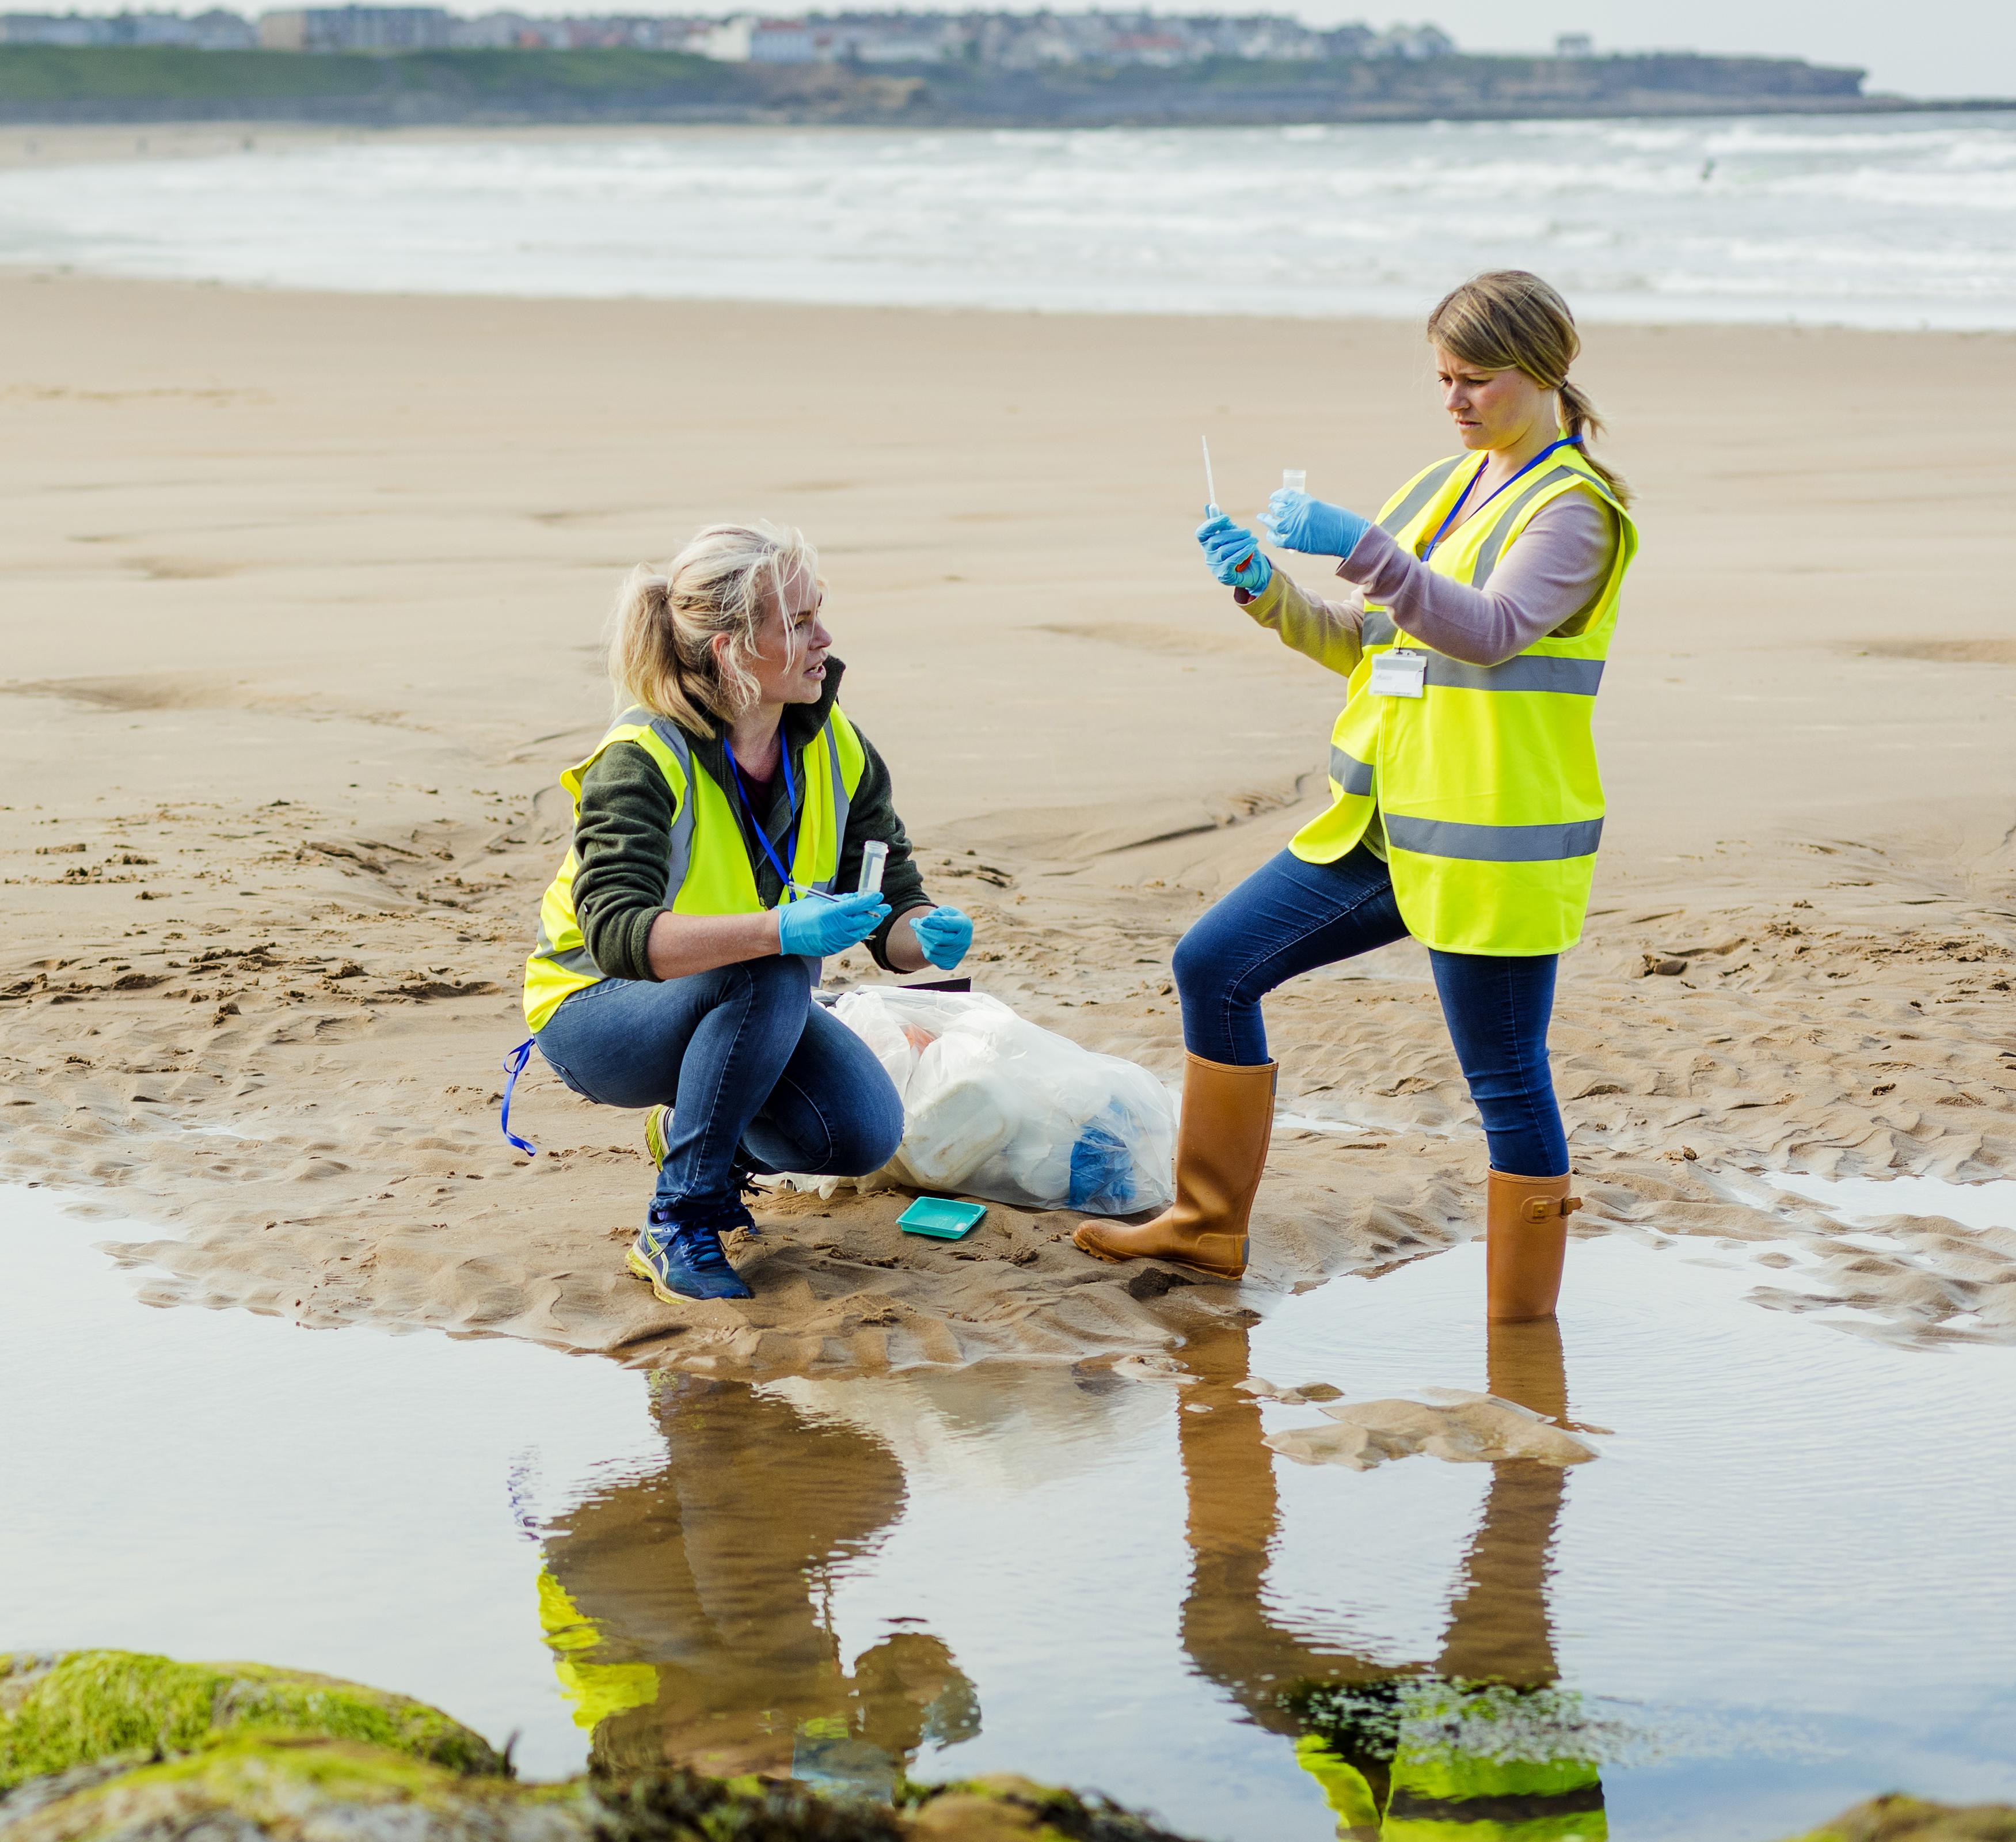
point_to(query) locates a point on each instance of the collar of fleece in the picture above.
(801, 723)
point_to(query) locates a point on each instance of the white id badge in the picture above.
(1399, 674)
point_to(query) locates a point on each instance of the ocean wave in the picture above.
(1894, 221)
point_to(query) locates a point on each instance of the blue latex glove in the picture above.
(816, 925)
(1226, 546)
(945, 934)
(1297, 522)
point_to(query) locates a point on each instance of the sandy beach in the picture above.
(302, 599)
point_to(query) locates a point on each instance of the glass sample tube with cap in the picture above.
(874, 854)
(1293, 479)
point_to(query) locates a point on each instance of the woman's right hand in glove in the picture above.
(816, 925)
(1232, 553)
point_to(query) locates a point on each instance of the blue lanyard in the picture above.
(1565, 441)
(790, 889)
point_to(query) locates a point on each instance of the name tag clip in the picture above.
(1400, 673)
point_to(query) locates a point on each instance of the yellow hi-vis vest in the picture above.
(708, 872)
(1452, 1797)
(1486, 784)
(595, 1691)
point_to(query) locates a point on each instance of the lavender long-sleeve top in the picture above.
(1555, 571)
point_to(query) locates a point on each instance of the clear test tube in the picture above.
(1294, 479)
(874, 854)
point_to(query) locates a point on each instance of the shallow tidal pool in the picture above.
(1785, 1584)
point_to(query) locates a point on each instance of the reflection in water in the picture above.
(1476, 1743)
(688, 1609)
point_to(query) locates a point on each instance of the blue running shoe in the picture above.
(685, 1259)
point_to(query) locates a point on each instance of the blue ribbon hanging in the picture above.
(785, 864)
(514, 1066)
(1450, 517)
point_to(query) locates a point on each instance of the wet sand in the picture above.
(302, 595)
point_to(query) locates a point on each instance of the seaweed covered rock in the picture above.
(1897, 1819)
(270, 1788)
(82, 1707)
(1014, 1810)
(294, 1789)
(106, 1746)
(681, 1806)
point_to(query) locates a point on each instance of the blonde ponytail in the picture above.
(1508, 320)
(726, 581)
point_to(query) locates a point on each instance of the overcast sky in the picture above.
(1926, 48)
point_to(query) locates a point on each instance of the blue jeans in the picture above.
(745, 1060)
(1289, 917)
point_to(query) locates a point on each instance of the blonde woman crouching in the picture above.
(718, 826)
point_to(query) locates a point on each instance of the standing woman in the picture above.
(679, 943)
(1465, 804)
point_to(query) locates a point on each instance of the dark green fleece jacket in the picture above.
(623, 840)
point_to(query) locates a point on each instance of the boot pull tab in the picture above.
(1539, 1209)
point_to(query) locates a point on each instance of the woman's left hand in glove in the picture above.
(945, 934)
(1297, 522)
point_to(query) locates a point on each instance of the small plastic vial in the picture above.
(1294, 479)
(874, 854)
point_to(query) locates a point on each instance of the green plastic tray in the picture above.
(939, 1217)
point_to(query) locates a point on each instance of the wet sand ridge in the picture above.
(302, 596)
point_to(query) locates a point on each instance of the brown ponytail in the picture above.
(1508, 320)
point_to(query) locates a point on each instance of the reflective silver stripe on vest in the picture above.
(1425, 488)
(577, 959)
(842, 804)
(1494, 844)
(1494, 542)
(1378, 628)
(1529, 671)
(680, 861)
(1351, 774)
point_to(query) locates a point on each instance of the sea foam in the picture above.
(1898, 221)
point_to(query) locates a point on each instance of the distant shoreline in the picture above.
(250, 114)
(61, 87)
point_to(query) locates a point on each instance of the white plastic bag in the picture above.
(994, 1106)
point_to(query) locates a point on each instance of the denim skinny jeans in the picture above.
(1289, 917)
(747, 1061)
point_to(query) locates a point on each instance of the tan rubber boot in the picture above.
(1220, 1149)
(1526, 1237)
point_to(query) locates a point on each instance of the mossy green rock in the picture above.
(1004, 1808)
(83, 1707)
(106, 1746)
(1910, 1819)
(242, 1789)
(264, 1788)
